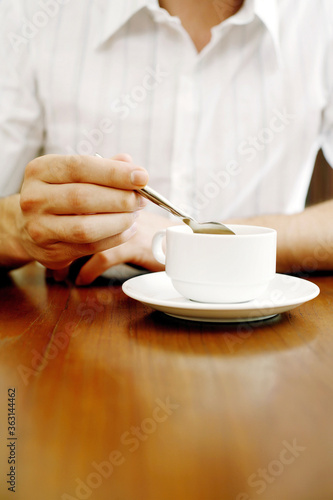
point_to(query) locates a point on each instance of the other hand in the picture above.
(135, 251)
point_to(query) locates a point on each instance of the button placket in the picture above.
(185, 132)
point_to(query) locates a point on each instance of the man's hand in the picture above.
(73, 206)
(135, 251)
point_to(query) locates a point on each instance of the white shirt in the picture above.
(231, 131)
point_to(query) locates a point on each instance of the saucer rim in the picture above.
(216, 305)
(200, 311)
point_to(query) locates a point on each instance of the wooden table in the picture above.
(116, 402)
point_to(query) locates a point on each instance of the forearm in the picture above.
(305, 240)
(12, 254)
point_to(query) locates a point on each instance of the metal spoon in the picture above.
(197, 227)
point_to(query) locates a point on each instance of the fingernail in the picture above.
(133, 228)
(139, 177)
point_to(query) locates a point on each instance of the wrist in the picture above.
(12, 252)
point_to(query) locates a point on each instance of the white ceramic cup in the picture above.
(218, 268)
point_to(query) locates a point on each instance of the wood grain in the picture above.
(171, 409)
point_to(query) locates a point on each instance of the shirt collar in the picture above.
(116, 17)
(267, 11)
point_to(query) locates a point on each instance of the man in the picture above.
(224, 102)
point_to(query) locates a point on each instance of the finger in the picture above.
(101, 245)
(123, 157)
(102, 261)
(67, 199)
(61, 274)
(61, 255)
(56, 169)
(81, 229)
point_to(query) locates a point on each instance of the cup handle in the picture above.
(157, 246)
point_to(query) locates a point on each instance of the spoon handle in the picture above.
(162, 202)
(159, 200)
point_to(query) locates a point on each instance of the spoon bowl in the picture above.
(197, 227)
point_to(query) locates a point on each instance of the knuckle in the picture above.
(35, 231)
(30, 200)
(113, 172)
(26, 201)
(73, 165)
(73, 161)
(78, 199)
(33, 168)
(81, 232)
(68, 163)
(54, 166)
(60, 166)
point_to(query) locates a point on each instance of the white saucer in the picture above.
(284, 293)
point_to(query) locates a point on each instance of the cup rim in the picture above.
(262, 230)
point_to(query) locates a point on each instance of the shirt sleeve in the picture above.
(21, 117)
(327, 123)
